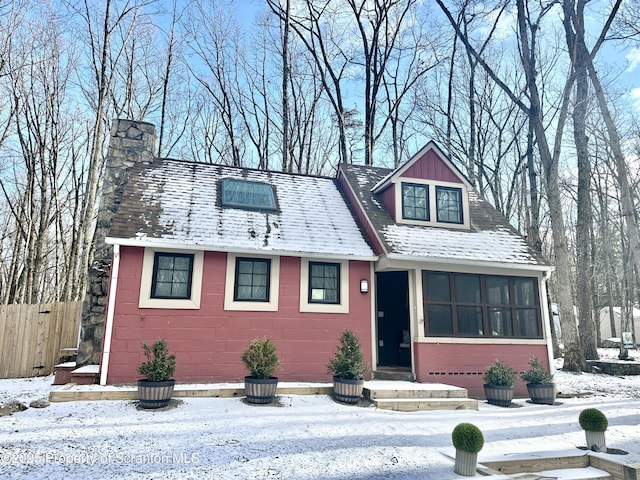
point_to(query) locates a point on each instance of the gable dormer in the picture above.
(427, 190)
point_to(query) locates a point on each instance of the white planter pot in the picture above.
(465, 463)
(596, 441)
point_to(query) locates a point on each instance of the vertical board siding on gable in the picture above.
(463, 365)
(388, 197)
(208, 342)
(431, 167)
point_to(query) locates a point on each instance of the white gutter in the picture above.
(113, 287)
(159, 244)
(474, 263)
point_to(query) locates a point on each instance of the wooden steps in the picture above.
(412, 397)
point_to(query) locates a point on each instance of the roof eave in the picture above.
(474, 263)
(158, 244)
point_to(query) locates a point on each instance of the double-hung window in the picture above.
(324, 282)
(415, 202)
(172, 274)
(252, 279)
(449, 204)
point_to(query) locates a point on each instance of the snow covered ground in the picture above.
(304, 437)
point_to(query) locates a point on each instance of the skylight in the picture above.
(245, 194)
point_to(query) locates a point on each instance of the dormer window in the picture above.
(415, 202)
(449, 204)
(248, 195)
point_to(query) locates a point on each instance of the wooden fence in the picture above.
(31, 337)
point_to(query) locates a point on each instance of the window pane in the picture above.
(415, 202)
(467, 288)
(525, 291)
(324, 283)
(438, 287)
(440, 321)
(500, 321)
(252, 280)
(163, 289)
(172, 275)
(528, 322)
(497, 290)
(470, 320)
(449, 204)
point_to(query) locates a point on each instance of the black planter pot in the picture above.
(499, 395)
(155, 394)
(543, 393)
(346, 390)
(260, 390)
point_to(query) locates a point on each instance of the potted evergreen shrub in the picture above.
(468, 441)
(594, 423)
(348, 369)
(261, 359)
(155, 390)
(539, 383)
(498, 387)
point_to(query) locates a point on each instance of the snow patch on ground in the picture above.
(304, 437)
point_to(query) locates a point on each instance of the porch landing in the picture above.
(385, 394)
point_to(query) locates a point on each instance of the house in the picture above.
(632, 324)
(433, 280)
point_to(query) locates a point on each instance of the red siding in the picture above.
(388, 198)
(208, 342)
(464, 364)
(431, 167)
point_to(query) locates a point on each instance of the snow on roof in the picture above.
(444, 244)
(178, 203)
(491, 238)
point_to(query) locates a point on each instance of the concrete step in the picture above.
(394, 374)
(587, 473)
(420, 404)
(381, 389)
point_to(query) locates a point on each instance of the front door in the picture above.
(392, 300)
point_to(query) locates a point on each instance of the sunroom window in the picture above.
(246, 194)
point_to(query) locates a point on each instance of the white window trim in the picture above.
(433, 210)
(305, 306)
(145, 300)
(274, 286)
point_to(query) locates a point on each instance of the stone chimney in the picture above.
(130, 143)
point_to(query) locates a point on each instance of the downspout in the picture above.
(106, 349)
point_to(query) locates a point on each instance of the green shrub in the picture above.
(159, 366)
(537, 373)
(348, 361)
(593, 420)
(499, 374)
(261, 358)
(467, 437)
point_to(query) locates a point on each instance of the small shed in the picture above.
(605, 323)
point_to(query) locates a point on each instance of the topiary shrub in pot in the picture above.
(498, 387)
(594, 423)
(348, 369)
(468, 441)
(155, 390)
(539, 383)
(261, 359)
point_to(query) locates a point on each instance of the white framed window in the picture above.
(324, 286)
(171, 279)
(252, 283)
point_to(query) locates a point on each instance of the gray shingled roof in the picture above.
(178, 203)
(491, 238)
